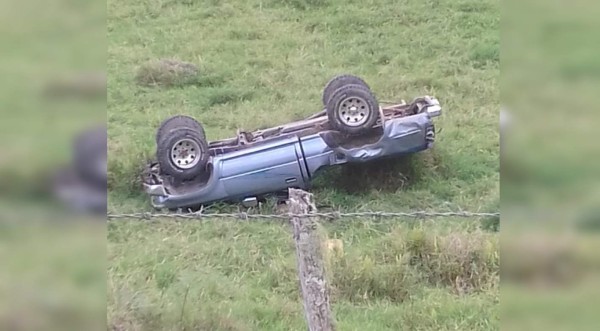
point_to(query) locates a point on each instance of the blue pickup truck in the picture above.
(352, 127)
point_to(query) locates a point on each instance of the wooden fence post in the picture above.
(311, 271)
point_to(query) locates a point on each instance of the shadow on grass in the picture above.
(385, 175)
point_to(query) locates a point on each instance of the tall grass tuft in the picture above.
(461, 261)
(360, 278)
(464, 261)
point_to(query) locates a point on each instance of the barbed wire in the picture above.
(287, 216)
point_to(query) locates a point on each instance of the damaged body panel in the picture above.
(268, 161)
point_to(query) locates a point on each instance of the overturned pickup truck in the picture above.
(189, 171)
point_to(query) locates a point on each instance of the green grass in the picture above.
(262, 63)
(242, 276)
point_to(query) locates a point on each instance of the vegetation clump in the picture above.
(167, 72)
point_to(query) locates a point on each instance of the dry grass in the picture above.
(462, 261)
(164, 277)
(167, 73)
(465, 262)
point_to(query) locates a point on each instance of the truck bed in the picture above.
(313, 124)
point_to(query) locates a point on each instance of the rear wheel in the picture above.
(183, 153)
(352, 109)
(178, 121)
(339, 81)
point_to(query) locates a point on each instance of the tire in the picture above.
(90, 156)
(352, 109)
(178, 121)
(182, 153)
(339, 81)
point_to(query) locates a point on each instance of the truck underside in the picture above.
(301, 147)
(313, 124)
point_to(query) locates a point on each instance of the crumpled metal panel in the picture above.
(402, 135)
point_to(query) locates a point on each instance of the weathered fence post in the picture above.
(311, 271)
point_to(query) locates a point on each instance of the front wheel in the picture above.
(183, 153)
(352, 109)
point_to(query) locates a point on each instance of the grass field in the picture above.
(266, 62)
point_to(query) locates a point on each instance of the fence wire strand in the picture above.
(287, 216)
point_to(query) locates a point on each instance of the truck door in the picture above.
(264, 168)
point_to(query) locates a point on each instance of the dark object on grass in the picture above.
(90, 155)
(81, 186)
